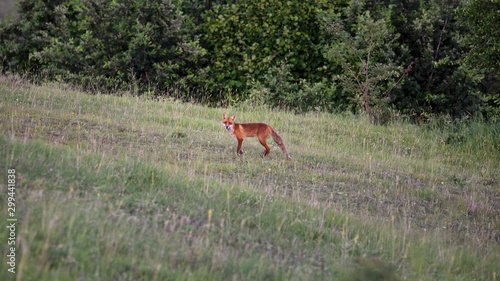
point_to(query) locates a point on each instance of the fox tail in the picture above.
(280, 142)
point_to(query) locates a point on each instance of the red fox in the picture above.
(260, 130)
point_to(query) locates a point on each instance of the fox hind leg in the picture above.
(264, 144)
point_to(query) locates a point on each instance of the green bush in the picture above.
(429, 37)
(246, 38)
(32, 32)
(128, 41)
(279, 53)
(364, 52)
(106, 45)
(279, 89)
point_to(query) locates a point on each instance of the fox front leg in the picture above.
(239, 151)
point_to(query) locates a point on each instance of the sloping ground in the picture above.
(127, 188)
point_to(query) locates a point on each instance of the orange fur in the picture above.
(259, 130)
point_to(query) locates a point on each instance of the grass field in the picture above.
(127, 188)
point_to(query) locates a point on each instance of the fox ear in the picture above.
(224, 115)
(234, 117)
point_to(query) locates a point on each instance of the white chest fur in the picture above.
(230, 130)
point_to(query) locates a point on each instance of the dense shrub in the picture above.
(140, 41)
(279, 89)
(429, 36)
(32, 32)
(106, 45)
(247, 38)
(279, 53)
(364, 52)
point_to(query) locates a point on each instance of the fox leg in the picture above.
(239, 151)
(263, 142)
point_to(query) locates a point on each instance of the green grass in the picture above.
(127, 188)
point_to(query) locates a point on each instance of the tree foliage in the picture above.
(246, 38)
(365, 54)
(27, 35)
(429, 37)
(481, 18)
(111, 44)
(301, 55)
(481, 22)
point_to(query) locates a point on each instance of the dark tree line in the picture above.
(416, 56)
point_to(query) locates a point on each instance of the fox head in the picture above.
(227, 122)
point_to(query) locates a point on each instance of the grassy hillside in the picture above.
(127, 188)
